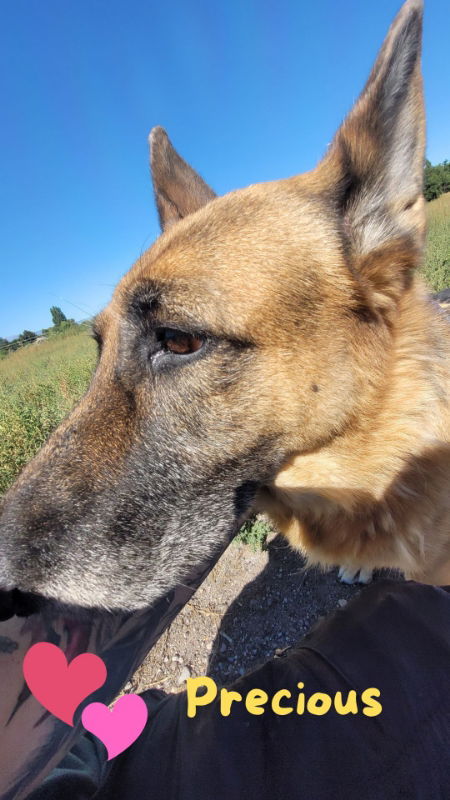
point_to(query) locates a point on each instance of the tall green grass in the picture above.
(436, 268)
(39, 384)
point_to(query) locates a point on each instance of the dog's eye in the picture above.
(178, 342)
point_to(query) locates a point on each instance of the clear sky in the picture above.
(248, 90)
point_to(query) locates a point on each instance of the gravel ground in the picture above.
(251, 604)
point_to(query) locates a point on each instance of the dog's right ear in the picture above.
(375, 165)
(179, 190)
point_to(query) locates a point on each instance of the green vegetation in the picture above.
(39, 384)
(436, 269)
(436, 179)
(254, 532)
(27, 337)
(61, 325)
(57, 316)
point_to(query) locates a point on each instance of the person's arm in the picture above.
(394, 637)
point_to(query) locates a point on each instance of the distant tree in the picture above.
(68, 325)
(4, 347)
(27, 337)
(436, 179)
(57, 316)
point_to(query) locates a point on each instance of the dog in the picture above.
(275, 350)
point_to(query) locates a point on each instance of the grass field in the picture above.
(40, 383)
(437, 259)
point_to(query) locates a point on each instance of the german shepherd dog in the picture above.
(274, 349)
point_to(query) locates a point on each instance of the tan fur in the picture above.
(337, 360)
(366, 418)
(378, 495)
(372, 488)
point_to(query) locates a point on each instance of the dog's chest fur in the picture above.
(378, 496)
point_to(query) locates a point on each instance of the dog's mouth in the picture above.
(121, 638)
(14, 602)
(33, 739)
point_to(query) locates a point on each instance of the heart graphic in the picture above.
(60, 687)
(118, 727)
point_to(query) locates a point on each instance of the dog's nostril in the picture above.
(17, 603)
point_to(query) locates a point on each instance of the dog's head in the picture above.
(255, 327)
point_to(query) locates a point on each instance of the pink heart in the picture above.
(119, 727)
(60, 687)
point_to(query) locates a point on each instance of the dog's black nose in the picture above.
(19, 604)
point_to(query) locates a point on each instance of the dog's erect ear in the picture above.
(179, 190)
(376, 160)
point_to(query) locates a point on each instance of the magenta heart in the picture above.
(119, 727)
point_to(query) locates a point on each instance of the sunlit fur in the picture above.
(323, 396)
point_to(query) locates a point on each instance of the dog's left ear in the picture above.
(375, 164)
(179, 190)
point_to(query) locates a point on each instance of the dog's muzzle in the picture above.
(33, 741)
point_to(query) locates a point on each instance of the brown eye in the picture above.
(180, 343)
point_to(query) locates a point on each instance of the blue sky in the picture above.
(248, 90)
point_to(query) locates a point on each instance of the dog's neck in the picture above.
(412, 410)
(363, 473)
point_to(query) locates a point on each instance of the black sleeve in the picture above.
(394, 637)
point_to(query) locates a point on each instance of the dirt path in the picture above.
(250, 605)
